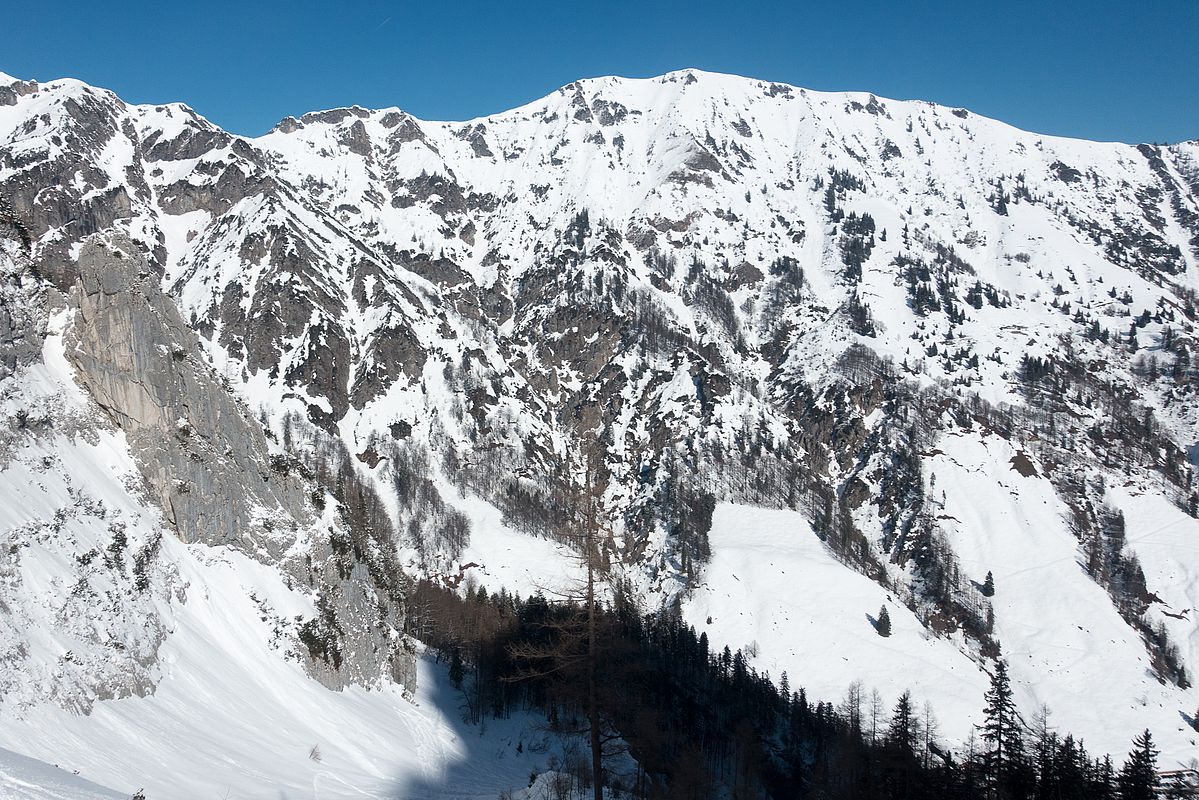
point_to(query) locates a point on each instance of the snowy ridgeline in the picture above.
(844, 354)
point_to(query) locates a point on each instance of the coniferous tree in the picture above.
(1003, 760)
(900, 753)
(1138, 779)
(901, 734)
(1070, 764)
(1045, 751)
(1001, 200)
(884, 622)
(830, 200)
(573, 652)
(704, 724)
(988, 589)
(1102, 785)
(928, 732)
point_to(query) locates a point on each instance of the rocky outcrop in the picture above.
(217, 478)
(22, 329)
(207, 465)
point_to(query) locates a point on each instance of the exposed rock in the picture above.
(142, 364)
(212, 470)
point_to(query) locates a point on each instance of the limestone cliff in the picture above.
(218, 479)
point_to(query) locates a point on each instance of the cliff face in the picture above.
(215, 475)
(132, 377)
(148, 642)
(207, 463)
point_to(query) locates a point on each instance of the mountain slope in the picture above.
(937, 346)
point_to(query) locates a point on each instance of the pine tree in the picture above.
(1138, 779)
(988, 589)
(884, 622)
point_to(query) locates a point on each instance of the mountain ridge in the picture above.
(861, 95)
(874, 318)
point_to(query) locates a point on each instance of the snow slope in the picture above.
(773, 587)
(24, 778)
(232, 715)
(1066, 645)
(132, 660)
(274, 733)
(505, 557)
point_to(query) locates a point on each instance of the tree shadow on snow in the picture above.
(463, 761)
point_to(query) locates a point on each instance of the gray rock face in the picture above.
(206, 464)
(214, 474)
(203, 457)
(22, 329)
(103, 606)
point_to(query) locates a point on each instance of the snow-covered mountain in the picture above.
(817, 353)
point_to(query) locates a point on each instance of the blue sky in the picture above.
(1099, 69)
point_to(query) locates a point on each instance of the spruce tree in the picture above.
(884, 622)
(1070, 763)
(988, 589)
(1102, 785)
(1138, 779)
(902, 733)
(1003, 759)
(900, 762)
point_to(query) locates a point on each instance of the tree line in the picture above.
(701, 722)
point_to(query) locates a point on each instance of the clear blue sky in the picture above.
(1100, 70)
